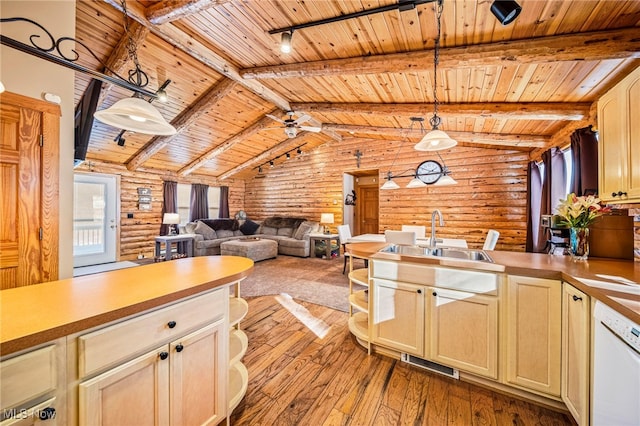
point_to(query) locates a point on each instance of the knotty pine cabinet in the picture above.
(576, 333)
(619, 141)
(532, 334)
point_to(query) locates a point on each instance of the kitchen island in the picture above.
(127, 346)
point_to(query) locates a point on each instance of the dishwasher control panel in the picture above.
(623, 327)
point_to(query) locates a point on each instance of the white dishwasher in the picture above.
(616, 369)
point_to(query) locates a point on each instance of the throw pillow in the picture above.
(249, 227)
(303, 230)
(224, 233)
(190, 227)
(285, 232)
(206, 231)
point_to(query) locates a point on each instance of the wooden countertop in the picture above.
(35, 314)
(540, 266)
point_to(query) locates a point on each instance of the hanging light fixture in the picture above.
(436, 139)
(285, 42)
(135, 113)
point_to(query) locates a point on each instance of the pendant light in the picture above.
(135, 114)
(436, 139)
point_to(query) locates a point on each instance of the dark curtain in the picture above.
(584, 157)
(224, 202)
(534, 192)
(199, 202)
(170, 202)
(553, 189)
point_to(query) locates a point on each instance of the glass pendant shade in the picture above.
(136, 115)
(416, 183)
(435, 140)
(445, 180)
(390, 184)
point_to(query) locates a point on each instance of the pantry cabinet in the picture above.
(619, 142)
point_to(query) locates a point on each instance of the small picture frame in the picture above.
(144, 191)
(144, 206)
(144, 199)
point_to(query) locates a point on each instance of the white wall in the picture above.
(29, 76)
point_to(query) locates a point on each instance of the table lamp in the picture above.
(326, 219)
(171, 219)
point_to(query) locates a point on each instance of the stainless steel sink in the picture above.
(449, 252)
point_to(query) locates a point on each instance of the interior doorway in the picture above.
(95, 214)
(361, 201)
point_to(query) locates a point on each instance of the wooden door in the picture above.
(29, 133)
(452, 311)
(368, 210)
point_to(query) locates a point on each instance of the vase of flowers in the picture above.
(578, 213)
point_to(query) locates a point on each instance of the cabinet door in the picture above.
(198, 374)
(463, 330)
(532, 338)
(613, 146)
(575, 352)
(398, 316)
(632, 95)
(134, 393)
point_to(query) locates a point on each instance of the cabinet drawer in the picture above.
(126, 339)
(28, 376)
(457, 279)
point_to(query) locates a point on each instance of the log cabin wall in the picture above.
(137, 234)
(491, 190)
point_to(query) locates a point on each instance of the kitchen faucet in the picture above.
(432, 241)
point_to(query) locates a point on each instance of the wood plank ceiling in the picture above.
(526, 85)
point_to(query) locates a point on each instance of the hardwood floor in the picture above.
(297, 378)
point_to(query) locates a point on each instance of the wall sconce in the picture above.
(285, 42)
(506, 11)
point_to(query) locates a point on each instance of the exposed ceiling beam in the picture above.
(507, 110)
(496, 139)
(119, 58)
(171, 10)
(246, 133)
(592, 46)
(282, 146)
(183, 121)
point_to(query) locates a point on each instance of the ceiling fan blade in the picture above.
(273, 117)
(310, 128)
(303, 119)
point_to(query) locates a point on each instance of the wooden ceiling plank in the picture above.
(511, 110)
(167, 11)
(597, 45)
(182, 122)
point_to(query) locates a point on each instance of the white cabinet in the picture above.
(175, 372)
(576, 316)
(619, 141)
(32, 387)
(463, 331)
(532, 335)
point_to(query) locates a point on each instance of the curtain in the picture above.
(534, 192)
(199, 202)
(584, 157)
(170, 202)
(553, 189)
(224, 202)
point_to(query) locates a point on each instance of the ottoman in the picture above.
(255, 249)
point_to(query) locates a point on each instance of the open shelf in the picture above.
(360, 276)
(238, 343)
(238, 308)
(359, 325)
(360, 300)
(238, 381)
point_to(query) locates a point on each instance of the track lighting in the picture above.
(162, 96)
(271, 163)
(506, 11)
(259, 169)
(285, 42)
(119, 140)
(299, 151)
(288, 155)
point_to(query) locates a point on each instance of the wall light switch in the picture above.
(129, 215)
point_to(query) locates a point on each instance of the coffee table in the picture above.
(255, 249)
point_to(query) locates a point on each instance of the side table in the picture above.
(318, 236)
(167, 240)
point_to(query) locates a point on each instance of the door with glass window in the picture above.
(95, 214)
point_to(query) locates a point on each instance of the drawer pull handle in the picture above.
(434, 293)
(164, 355)
(171, 324)
(179, 347)
(618, 194)
(419, 291)
(47, 413)
(576, 298)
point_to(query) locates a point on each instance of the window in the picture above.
(184, 201)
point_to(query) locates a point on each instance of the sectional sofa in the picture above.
(291, 234)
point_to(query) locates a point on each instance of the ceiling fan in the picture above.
(292, 126)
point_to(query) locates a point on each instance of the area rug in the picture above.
(94, 269)
(313, 280)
